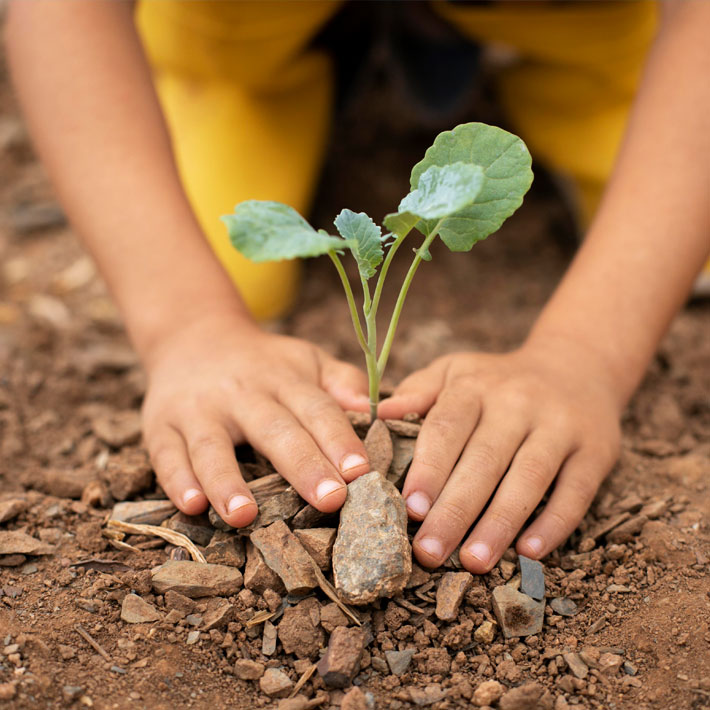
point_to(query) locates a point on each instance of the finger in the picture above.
(168, 456)
(475, 477)
(446, 429)
(276, 433)
(211, 452)
(574, 492)
(416, 393)
(533, 469)
(326, 422)
(346, 384)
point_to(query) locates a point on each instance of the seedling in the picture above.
(470, 181)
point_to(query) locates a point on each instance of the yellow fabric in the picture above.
(248, 103)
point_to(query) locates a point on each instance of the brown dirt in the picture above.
(66, 364)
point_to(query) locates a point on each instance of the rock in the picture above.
(630, 668)
(297, 702)
(403, 453)
(418, 577)
(398, 661)
(532, 578)
(609, 663)
(258, 576)
(59, 483)
(268, 641)
(282, 506)
(626, 531)
(89, 538)
(661, 543)
(71, 692)
(96, 494)
(331, 617)
(14, 542)
(378, 445)
(117, 428)
(319, 544)
(135, 610)
(434, 661)
(606, 526)
(524, 697)
(485, 633)
(299, 630)
(285, 555)
(192, 638)
(195, 527)
(576, 665)
(341, 661)
(517, 613)
(8, 691)
(143, 512)
(12, 560)
(407, 429)
(225, 548)
(179, 602)
(194, 579)
(127, 474)
(450, 593)
(654, 509)
(372, 557)
(219, 613)
(310, 517)
(355, 699)
(35, 217)
(564, 606)
(487, 693)
(433, 693)
(275, 683)
(246, 669)
(10, 508)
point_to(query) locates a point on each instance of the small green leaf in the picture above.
(444, 191)
(400, 223)
(364, 238)
(507, 176)
(270, 231)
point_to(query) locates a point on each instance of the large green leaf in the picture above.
(270, 231)
(443, 191)
(364, 238)
(507, 176)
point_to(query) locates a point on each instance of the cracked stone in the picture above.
(532, 578)
(258, 576)
(378, 445)
(403, 453)
(450, 593)
(517, 613)
(195, 579)
(319, 544)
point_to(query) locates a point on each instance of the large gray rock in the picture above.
(372, 557)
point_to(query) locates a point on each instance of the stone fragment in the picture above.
(8, 690)
(117, 428)
(194, 579)
(341, 661)
(372, 557)
(434, 661)
(96, 494)
(628, 530)
(246, 669)
(266, 487)
(487, 693)
(143, 512)
(258, 576)
(378, 445)
(10, 508)
(485, 633)
(517, 613)
(630, 668)
(331, 617)
(407, 429)
(12, 560)
(310, 517)
(609, 663)
(280, 506)
(319, 544)
(418, 577)
(285, 555)
(175, 600)
(58, 482)
(524, 697)
(219, 613)
(225, 548)
(450, 593)
(433, 693)
(507, 568)
(71, 692)
(135, 610)
(606, 526)
(355, 699)
(14, 542)
(195, 527)
(576, 665)
(192, 638)
(564, 606)
(275, 683)
(28, 217)
(299, 630)
(402, 455)
(398, 661)
(268, 641)
(128, 473)
(532, 578)
(654, 509)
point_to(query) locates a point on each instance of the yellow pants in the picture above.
(248, 101)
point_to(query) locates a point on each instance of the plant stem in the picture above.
(385, 352)
(383, 271)
(351, 302)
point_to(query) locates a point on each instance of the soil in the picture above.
(70, 390)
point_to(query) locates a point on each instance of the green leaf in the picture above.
(443, 191)
(507, 176)
(270, 231)
(364, 238)
(400, 223)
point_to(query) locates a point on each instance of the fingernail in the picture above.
(352, 461)
(419, 503)
(325, 488)
(189, 494)
(536, 544)
(432, 547)
(236, 502)
(480, 551)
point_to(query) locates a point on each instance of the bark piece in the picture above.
(341, 661)
(378, 445)
(225, 548)
(258, 576)
(14, 542)
(517, 613)
(402, 455)
(196, 527)
(372, 557)
(627, 530)
(450, 593)
(319, 544)
(299, 629)
(143, 512)
(195, 579)
(285, 555)
(409, 429)
(135, 610)
(532, 578)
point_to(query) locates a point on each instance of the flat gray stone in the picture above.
(564, 606)
(399, 661)
(517, 613)
(532, 578)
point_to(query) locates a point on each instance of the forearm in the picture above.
(86, 90)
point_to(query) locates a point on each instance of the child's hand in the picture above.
(499, 430)
(218, 382)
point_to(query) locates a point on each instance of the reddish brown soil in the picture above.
(64, 360)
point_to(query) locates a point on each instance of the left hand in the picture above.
(499, 429)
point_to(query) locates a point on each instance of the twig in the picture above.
(411, 607)
(303, 679)
(170, 536)
(329, 591)
(94, 644)
(260, 617)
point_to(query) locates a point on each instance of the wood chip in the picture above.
(409, 606)
(329, 590)
(303, 679)
(94, 644)
(260, 617)
(175, 538)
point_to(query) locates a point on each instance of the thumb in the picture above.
(346, 384)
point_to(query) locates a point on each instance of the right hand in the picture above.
(221, 381)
